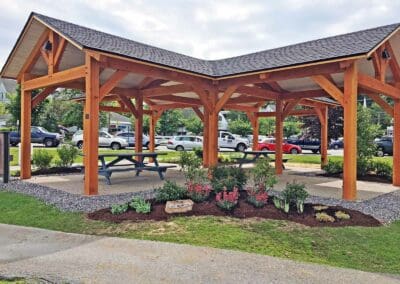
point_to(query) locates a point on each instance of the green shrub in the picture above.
(191, 167)
(198, 152)
(364, 166)
(263, 175)
(324, 217)
(170, 191)
(67, 154)
(228, 177)
(383, 169)
(117, 209)
(140, 205)
(333, 167)
(41, 158)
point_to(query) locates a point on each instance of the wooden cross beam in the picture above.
(108, 86)
(376, 86)
(326, 84)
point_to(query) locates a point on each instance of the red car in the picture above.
(269, 145)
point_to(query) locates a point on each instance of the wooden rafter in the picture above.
(304, 94)
(34, 55)
(225, 97)
(376, 86)
(301, 112)
(258, 92)
(57, 78)
(382, 103)
(178, 99)
(129, 105)
(289, 106)
(42, 95)
(166, 90)
(62, 44)
(199, 113)
(108, 86)
(326, 84)
(393, 63)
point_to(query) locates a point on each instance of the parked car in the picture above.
(228, 140)
(38, 135)
(336, 144)
(163, 140)
(269, 145)
(313, 145)
(105, 140)
(130, 138)
(185, 142)
(384, 146)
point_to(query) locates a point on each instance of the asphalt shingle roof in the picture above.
(341, 46)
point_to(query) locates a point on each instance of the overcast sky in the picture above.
(205, 28)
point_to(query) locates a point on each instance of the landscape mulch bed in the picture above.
(243, 210)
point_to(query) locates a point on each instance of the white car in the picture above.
(228, 140)
(105, 140)
(185, 142)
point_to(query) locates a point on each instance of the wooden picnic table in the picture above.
(136, 159)
(255, 156)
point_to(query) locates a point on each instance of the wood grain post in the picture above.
(91, 126)
(278, 137)
(213, 131)
(25, 123)
(206, 133)
(324, 136)
(139, 124)
(396, 143)
(350, 133)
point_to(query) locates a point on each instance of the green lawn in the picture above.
(369, 249)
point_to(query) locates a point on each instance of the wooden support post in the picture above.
(323, 118)
(139, 124)
(213, 134)
(255, 127)
(279, 137)
(396, 143)
(350, 133)
(206, 132)
(91, 125)
(26, 114)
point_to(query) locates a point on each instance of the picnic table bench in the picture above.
(136, 163)
(256, 155)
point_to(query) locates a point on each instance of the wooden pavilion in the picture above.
(301, 79)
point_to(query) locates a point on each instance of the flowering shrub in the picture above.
(198, 192)
(258, 197)
(227, 200)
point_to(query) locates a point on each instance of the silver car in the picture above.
(182, 143)
(105, 140)
(130, 138)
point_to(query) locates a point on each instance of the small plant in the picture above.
(263, 175)
(294, 193)
(198, 152)
(324, 217)
(333, 167)
(140, 205)
(320, 207)
(227, 177)
(277, 202)
(41, 158)
(383, 169)
(170, 191)
(258, 198)
(67, 154)
(227, 200)
(342, 215)
(117, 209)
(198, 192)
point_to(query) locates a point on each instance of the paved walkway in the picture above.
(59, 257)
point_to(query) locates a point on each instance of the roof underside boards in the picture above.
(341, 46)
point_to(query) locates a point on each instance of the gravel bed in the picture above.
(66, 201)
(385, 208)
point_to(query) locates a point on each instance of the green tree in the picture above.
(291, 126)
(170, 121)
(194, 125)
(14, 107)
(240, 127)
(267, 125)
(367, 131)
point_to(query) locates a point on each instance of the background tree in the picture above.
(170, 121)
(194, 125)
(267, 125)
(291, 126)
(240, 127)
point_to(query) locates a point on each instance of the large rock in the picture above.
(179, 206)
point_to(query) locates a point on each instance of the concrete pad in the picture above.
(115, 260)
